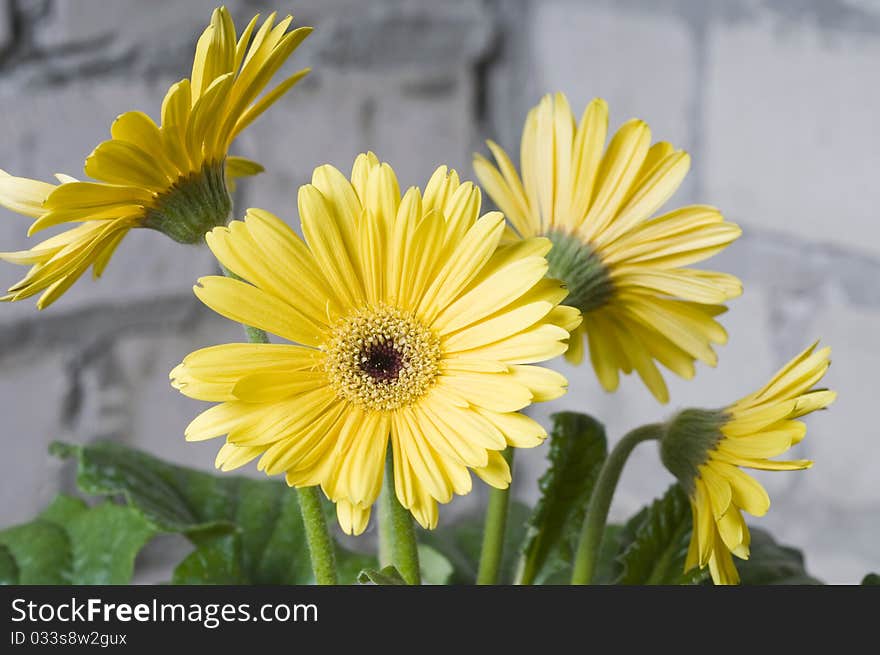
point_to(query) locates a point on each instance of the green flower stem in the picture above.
(493, 533)
(386, 529)
(397, 538)
(321, 548)
(600, 501)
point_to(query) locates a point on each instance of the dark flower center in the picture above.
(382, 361)
(381, 358)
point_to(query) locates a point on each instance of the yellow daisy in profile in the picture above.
(705, 450)
(410, 327)
(174, 178)
(623, 268)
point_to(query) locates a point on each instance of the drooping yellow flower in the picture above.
(623, 268)
(705, 450)
(174, 178)
(410, 327)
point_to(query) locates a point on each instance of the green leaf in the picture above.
(71, 543)
(557, 571)
(216, 561)
(245, 531)
(771, 563)
(435, 569)
(41, 551)
(654, 543)
(349, 564)
(609, 549)
(387, 576)
(871, 579)
(8, 567)
(263, 513)
(577, 450)
(460, 544)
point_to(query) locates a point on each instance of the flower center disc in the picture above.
(381, 358)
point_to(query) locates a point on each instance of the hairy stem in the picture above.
(493, 533)
(597, 510)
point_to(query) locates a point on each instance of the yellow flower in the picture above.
(409, 324)
(174, 178)
(704, 450)
(623, 269)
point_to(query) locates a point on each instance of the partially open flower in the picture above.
(623, 267)
(174, 177)
(706, 449)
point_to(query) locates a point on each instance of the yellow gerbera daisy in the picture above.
(174, 178)
(623, 269)
(410, 324)
(704, 450)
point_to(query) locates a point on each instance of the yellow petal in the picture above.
(306, 453)
(23, 195)
(618, 170)
(763, 464)
(519, 430)
(732, 529)
(95, 194)
(428, 468)
(537, 344)
(641, 360)
(704, 525)
(681, 283)
(457, 423)
(268, 386)
(496, 473)
(718, 489)
(587, 149)
(452, 444)
(747, 492)
(461, 211)
(241, 167)
(649, 194)
(137, 128)
(231, 457)
(247, 304)
(352, 518)
(722, 568)
(745, 422)
(543, 383)
(240, 253)
(462, 265)
(324, 231)
(765, 444)
(505, 189)
(575, 353)
(499, 392)
(214, 422)
(279, 420)
(120, 162)
(292, 261)
(361, 456)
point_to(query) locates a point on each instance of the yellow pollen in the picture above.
(381, 358)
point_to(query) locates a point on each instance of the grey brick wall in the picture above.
(775, 100)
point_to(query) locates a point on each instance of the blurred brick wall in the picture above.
(776, 101)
